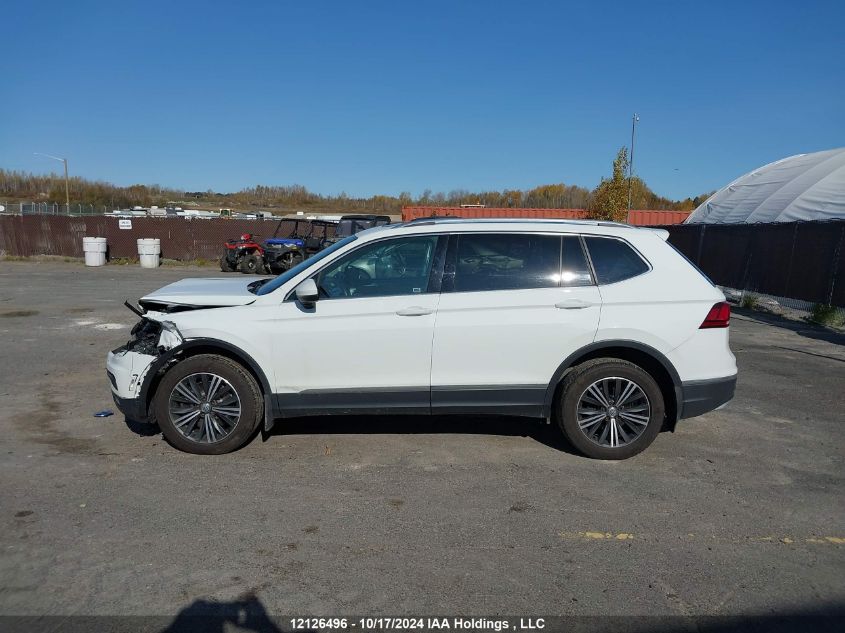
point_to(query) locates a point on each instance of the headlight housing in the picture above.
(153, 337)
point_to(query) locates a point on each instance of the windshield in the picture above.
(289, 274)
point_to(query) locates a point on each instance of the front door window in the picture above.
(384, 268)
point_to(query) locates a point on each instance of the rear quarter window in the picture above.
(614, 260)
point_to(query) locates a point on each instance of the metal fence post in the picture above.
(702, 229)
(791, 258)
(836, 256)
(747, 270)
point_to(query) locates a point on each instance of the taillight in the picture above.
(719, 316)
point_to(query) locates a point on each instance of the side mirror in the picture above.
(307, 293)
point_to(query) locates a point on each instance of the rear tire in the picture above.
(252, 264)
(610, 408)
(224, 422)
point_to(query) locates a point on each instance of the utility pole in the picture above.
(67, 186)
(634, 120)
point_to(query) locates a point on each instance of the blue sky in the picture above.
(384, 97)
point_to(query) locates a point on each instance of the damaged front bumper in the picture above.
(131, 367)
(127, 371)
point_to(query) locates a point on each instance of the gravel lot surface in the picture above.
(738, 512)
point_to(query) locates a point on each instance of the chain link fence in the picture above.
(53, 208)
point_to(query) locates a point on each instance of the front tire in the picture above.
(610, 408)
(290, 259)
(208, 405)
(225, 266)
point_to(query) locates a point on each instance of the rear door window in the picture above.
(614, 260)
(506, 261)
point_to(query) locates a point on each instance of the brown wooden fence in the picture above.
(180, 238)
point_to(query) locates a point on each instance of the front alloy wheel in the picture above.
(204, 407)
(208, 404)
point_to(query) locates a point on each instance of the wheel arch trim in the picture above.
(636, 346)
(211, 345)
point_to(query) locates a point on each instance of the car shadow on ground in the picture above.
(802, 328)
(144, 429)
(245, 613)
(547, 434)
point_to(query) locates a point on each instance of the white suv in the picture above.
(601, 327)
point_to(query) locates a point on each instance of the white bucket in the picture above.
(149, 251)
(95, 250)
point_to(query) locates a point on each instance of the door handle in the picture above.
(573, 304)
(414, 311)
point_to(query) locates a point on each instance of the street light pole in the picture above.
(634, 120)
(67, 186)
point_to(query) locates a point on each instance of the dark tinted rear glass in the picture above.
(513, 261)
(614, 260)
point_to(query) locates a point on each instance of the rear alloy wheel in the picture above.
(252, 264)
(208, 405)
(611, 409)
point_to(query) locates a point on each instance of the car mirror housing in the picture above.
(307, 293)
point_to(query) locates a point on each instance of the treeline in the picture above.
(20, 186)
(17, 185)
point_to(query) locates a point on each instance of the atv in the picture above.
(244, 254)
(276, 254)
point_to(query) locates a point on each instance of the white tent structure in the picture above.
(803, 187)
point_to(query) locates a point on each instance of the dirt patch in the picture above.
(18, 313)
(78, 310)
(519, 506)
(39, 425)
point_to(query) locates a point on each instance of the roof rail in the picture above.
(434, 218)
(452, 219)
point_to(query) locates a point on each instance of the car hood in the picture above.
(202, 293)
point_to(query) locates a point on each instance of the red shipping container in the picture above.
(639, 217)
